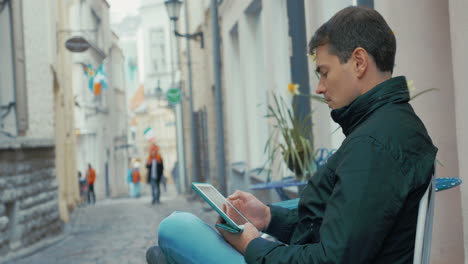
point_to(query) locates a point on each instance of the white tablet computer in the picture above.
(216, 200)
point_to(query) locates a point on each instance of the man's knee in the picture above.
(176, 223)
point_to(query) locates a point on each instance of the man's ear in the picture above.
(360, 61)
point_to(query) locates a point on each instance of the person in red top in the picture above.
(91, 176)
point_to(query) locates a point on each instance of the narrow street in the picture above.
(116, 230)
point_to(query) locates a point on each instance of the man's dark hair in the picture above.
(355, 27)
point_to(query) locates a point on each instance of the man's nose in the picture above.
(320, 88)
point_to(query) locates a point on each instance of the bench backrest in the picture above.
(422, 246)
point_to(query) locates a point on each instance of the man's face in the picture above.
(338, 82)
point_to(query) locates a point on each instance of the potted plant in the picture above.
(293, 136)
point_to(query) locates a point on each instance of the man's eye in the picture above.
(324, 74)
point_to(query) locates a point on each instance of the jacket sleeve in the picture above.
(364, 203)
(282, 223)
(148, 172)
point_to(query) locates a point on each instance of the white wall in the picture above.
(96, 128)
(235, 110)
(118, 122)
(154, 16)
(326, 134)
(254, 91)
(7, 92)
(252, 74)
(38, 49)
(459, 42)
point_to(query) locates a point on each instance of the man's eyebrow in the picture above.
(318, 68)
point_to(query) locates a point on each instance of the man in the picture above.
(91, 176)
(361, 207)
(155, 166)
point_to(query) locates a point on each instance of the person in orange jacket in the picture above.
(91, 176)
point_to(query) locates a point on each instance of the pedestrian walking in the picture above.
(155, 168)
(136, 178)
(175, 176)
(91, 176)
(83, 188)
(164, 182)
(131, 186)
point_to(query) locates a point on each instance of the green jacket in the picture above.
(361, 207)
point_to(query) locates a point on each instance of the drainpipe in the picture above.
(218, 97)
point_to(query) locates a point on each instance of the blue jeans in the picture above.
(184, 238)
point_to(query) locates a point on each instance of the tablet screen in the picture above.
(218, 200)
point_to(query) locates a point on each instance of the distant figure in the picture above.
(131, 186)
(175, 176)
(164, 182)
(91, 176)
(155, 168)
(136, 178)
(83, 187)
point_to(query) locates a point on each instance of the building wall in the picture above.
(118, 122)
(459, 41)
(37, 67)
(7, 93)
(101, 120)
(149, 11)
(28, 212)
(422, 30)
(327, 133)
(28, 195)
(92, 114)
(36, 193)
(63, 114)
(202, 89)
(251, 33)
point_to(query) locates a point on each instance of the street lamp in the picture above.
(158, 92)
(173, 10)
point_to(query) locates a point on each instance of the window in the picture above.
(157, 49)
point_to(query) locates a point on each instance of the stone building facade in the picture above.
(28, 195)
(38, 179)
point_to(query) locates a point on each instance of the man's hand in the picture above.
(240, 241)
(257, 212)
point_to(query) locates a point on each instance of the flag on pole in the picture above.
(97, 79)
(149, 134)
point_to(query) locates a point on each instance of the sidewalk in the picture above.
(116, 230)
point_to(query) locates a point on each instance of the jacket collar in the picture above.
(394, 90)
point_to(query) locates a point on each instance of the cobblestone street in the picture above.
(115, 230)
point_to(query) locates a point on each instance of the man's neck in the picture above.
(372, 80)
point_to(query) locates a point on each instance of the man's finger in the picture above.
(236, 195)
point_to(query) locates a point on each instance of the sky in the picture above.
(121, 8)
